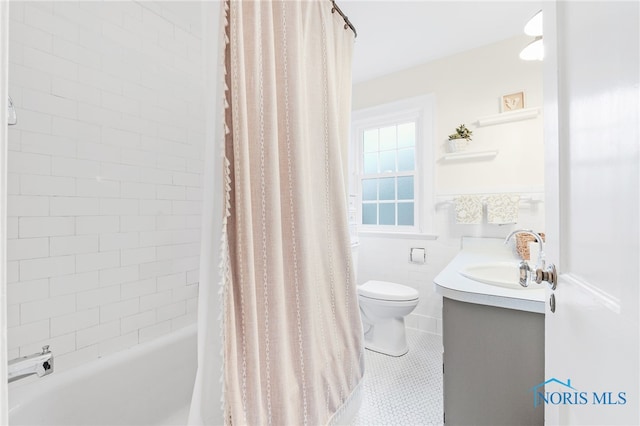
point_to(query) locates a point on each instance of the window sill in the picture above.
(398, 235)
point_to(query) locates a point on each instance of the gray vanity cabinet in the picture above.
(492, 358)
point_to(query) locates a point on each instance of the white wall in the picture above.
(105, 175)
(4, 68)
(466, 86)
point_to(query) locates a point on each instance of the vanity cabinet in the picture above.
(493, 356)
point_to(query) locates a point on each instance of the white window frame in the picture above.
(421, 110)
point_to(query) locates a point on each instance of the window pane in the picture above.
(405, 214)
(387, 138)
(387, 188)
(406, 160)
(406, 135)
(369, 189)
(370, 140)
(388, 214)
(371, 163)
(405, 188)
(387, 161)
(369, 214)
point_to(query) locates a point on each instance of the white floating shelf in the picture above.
(471, 155)
(506, 117)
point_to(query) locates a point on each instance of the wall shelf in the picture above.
(507, 117)
(471, 155)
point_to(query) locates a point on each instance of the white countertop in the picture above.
(450, 283)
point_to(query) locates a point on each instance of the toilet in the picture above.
(383, 306)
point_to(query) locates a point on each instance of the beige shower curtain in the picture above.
(292, 332)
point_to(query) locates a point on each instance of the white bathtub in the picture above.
(150, 384)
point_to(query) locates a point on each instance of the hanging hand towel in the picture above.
(502, 209)
(468, 209)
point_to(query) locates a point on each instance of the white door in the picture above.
(592, 182)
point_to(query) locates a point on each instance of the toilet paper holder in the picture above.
(417, 255)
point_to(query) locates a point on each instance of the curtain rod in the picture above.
(347, 22)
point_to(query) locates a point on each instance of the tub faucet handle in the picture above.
(45, 349)
(12, 119)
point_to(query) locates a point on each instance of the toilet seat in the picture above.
(384, 290)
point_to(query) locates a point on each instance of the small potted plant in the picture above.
(459, 140)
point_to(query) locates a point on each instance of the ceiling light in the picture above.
(534, 25)
(533, 51)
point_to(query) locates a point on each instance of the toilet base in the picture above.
(384, 351)
(387, 337)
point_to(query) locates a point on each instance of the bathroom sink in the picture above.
(502, 274)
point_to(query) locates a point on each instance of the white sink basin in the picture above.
(502, 274)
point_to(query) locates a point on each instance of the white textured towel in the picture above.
(502, 209)
(468, 209)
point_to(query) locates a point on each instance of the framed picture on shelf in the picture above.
(512, 102)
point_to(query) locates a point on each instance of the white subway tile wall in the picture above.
(105, 170)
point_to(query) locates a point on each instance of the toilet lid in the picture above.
(384, 290)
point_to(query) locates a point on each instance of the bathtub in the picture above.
(149, 384)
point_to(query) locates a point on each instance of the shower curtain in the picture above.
(292, 336)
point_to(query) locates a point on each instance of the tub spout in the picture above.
(40, 364)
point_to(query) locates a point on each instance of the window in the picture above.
(388, 146)
(389, 172)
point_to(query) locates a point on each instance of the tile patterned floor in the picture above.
(404, 391)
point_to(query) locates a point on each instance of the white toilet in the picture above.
(383, 306)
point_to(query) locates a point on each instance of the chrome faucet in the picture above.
(38, 363)
(525, 270)
(540, 261)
